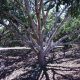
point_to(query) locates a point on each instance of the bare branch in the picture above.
(48, 48)
(38, 8)
(32, 24)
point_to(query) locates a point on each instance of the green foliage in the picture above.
(69, 27)
(14, 8)
(4, 5)
(74, 9)
(50, 21)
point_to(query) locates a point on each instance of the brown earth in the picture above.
(15, 64)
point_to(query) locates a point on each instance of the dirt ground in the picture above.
(12, 67)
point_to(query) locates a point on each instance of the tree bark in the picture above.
(41, 59)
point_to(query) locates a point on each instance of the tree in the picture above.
(28, 19)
